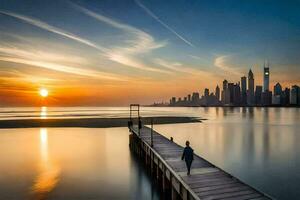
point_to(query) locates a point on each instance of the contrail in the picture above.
(149, 12)
(53, 29)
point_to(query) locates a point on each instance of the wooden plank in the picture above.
(244, 197)
(206, 184)
(209, 188)
(260, 198)
(237, 195)
(224, 190)
(195, 182)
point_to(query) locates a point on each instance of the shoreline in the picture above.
(91, 122)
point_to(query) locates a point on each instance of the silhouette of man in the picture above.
(188, 156)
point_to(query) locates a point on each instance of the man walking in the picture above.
(188, 156)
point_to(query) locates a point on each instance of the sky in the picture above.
(113, 53)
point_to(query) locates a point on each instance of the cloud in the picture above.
(151, 14)
(196, 57)
(52, 61)
(123, 55)
(179, 67)
(222, 63)
(34, 54)
(141, 44)
(127, 55)
(62, 68)
(125, 60)
(45, 26)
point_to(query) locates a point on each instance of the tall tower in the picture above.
(250, 94)
(218, 93)
(266, 77)
(224, 91)
(244, 90)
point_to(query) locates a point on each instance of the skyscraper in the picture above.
(295, 95)
(277, 94)
(229, 94)
(244, 90)
(258, 93)
(286, 97)
(236, 94)
(266, 77)
(277, 89)
(250, 94)
(225, 88)
(217, 93)
(206, 92)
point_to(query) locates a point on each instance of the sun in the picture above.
(44, 92)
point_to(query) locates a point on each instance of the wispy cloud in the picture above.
(53, 29)
(123, 55)
(197, 57)
(61, 68)
(126, 55)
(179, 67)
(36, 54)
(151, 14)
(141, 44)
(222, 63)
(125, 60)
(52, 61)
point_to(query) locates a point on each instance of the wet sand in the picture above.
(91, 122)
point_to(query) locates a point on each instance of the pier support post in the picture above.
(174, 194)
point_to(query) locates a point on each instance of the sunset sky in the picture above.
(110, 53)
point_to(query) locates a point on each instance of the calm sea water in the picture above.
(70, 164)
(260, 146)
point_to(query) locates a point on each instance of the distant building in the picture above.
(217, 93)
(229, 94)
(276, 100)
(243, 90)
(225, 84)
(285, 98)
(277, 89)
(266, 78)
(195, 97)
(250, 92)
(206, 92)
(266, 98)
(277, 97)
(258, 93)
(173, 101)
(295, 95)
(236, 94)
(224, 91)
(189, 97)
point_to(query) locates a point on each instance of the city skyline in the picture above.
(94, 53)
(245, 92)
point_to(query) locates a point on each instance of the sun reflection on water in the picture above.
(49, 171)
(43, 114)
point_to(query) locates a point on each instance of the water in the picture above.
(260, 146)
(70, 164)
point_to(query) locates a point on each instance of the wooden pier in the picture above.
(206, 182)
